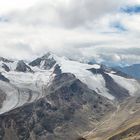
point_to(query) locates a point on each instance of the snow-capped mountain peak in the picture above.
(28, 80)
(2, 59)
(45, 62)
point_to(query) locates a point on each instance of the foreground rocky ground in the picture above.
(123, 124)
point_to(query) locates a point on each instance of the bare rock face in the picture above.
(46, 62)
(3, 78)
(6, 68)
(35, 62)
(57, 70)
(22, 67)
(114, 89)
(6, 60)
(68, 109)
(49, 63)
(2, 97)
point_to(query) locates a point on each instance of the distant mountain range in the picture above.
(132, 70)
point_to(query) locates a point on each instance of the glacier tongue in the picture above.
(11, 97)
(24, 87)
(80, 70)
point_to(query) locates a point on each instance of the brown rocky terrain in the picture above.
(124, 124)
(2, 97)
(68, 110)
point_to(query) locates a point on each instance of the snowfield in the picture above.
(11, 97)
(130, 84)
(26, 87)
(11, 65)
(80, 70)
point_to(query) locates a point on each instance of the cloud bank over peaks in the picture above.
(83, 29)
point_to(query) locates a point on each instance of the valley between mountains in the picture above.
(56, 98)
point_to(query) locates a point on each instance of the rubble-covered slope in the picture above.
(68, 109)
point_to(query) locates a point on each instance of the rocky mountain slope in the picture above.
(122, 124)
(55, 98)
(67, 104)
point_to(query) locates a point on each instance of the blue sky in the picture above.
(131, 9)
(102, 30)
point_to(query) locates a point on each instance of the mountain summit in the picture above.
(56, 98)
